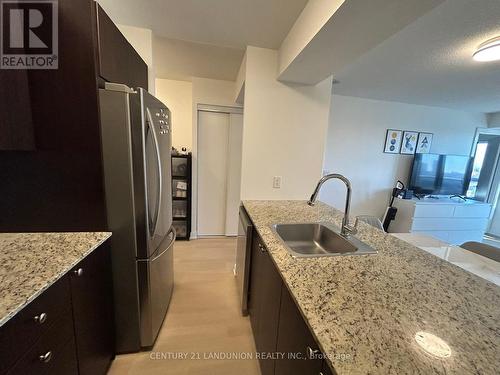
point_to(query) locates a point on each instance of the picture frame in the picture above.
(424, 143)
(393, 139)
(409, 142)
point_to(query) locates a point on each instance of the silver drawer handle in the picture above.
(45, 358)
(40, 318)
(262, 248)
(78, 272)
(312, 353)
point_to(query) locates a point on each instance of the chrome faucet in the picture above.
(346, 229)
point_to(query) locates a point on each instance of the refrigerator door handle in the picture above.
(174, 236)
(160, 173)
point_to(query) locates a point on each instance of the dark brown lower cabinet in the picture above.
(326, 370)
(302, 355)
(58, 349)
(264, 302)
(91, 291)
(68, 329)
(277, 324)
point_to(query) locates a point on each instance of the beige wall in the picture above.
(356, 136)
(142, 41)
(178, 96)
(284, 131)
(211, 92)
(181, 60)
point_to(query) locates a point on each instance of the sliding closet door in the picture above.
(213, 132)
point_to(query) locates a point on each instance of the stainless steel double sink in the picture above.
(319, 240)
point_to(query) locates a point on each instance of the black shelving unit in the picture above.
(181, 195)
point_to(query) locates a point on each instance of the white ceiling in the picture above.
(229, 23)
(430, 61)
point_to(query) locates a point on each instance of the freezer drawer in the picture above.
(156, 281)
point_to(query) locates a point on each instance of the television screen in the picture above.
(440, 174)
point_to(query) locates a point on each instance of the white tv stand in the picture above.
(451, 220)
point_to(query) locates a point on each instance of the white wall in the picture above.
(312, 18)
(355, 142)
(142, 41)
(284, 131)
(178, 97)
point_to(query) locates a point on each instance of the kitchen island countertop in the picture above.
(365, 310)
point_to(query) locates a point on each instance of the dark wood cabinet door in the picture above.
(53, 354)
(269, 311)
(326, 370)
(264, 303)
(34, 321)
(118, 60)
(92, 299)
(16, 123)
(302, 356)
(255, 288)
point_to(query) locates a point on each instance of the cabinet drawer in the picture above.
(434, 210)
(480, 211)
(59, 347)
(19, 333)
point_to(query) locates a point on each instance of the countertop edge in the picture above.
(49, 283)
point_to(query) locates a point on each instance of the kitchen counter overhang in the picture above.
(32, 262)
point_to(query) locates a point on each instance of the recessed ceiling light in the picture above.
(488, 51)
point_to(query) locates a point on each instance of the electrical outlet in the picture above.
(277, 182)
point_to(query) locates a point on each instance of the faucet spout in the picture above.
(346, 229)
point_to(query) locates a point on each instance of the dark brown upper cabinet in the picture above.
(16, 124)
(118, 61)
(50, 136)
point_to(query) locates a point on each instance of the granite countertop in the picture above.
(32, 262)
(365, 310)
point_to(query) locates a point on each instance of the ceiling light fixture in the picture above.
(488, 51)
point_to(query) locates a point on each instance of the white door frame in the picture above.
(194, 199)
(493, 195)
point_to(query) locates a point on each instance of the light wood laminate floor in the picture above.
(203, 318)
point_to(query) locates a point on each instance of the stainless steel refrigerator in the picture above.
(137, 140)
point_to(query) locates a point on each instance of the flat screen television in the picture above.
(440, 174)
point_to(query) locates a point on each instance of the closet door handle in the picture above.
(262, 248)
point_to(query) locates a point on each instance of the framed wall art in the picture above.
(424, 143)
(409, 142)
(393, 141)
